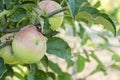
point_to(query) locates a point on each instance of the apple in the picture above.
(7, 55)
(6, 52)
(118, 15)
(48, 6)
(29, 45)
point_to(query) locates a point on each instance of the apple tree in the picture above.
(29, 36)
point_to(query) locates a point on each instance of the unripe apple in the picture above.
(29, 45)
(118, 15)
(48, 6)
(6, 52)
(7, 55)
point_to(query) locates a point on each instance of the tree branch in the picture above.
(55, 12)
(47, 15)
(10, 30)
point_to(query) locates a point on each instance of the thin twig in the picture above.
(57, 11)
(10, 30)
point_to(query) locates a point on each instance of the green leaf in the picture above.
(116, 57)
(115, 66)
(69, 21)
(106, 47)
(18, 75)
(1, 5)
(93, 15)
(81, 31)
(100, 67)
(58, 47)
(44, 61)
(3, 68)
(97, 4)
(50, 74)
(64, 76)
(7, 2)
(17, 15)
(85, 39)
(69, 63)
(55, 67)
(32, 71)
(46, 27)
(40, 75)
(80, 63)
(93, 55)
(9, 72)
(75, 6)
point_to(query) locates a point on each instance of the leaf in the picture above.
(104, 38)
(50, 74)
(9, 72)
(75, 6)
(106, 47)
(80, 63)
(32, 71)
(115, 66)
(69, 63)
(44, 61)
(64, 76)
(3, 68)
(40, 75)
(81, 31)
(17, 15)
(7, 2)
(46, 25)
(1, 5)
(18, 75)
(100, 67)
(116, 57)
(58, 47)
(55, 67)
(93, 55)
(93, 15)
(97, 4)
(69, 21)
(85, 39)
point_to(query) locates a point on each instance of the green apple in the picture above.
(48, 6)
(6, 52)
(29, 45)
(7, 55)
(118, 15)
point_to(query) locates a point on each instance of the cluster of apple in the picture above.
(29, 45)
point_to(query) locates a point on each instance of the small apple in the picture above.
(7, 55)
(48, 6)
(29, 45)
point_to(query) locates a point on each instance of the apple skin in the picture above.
(49, 6)
(29, 45)
(7, 55)
(118, 15)
(6, 52)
